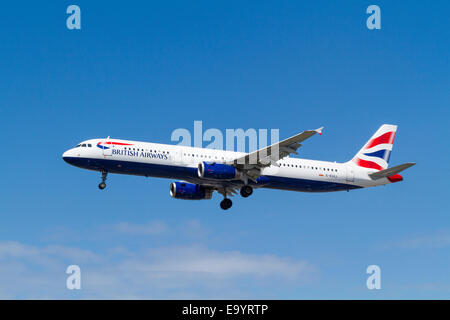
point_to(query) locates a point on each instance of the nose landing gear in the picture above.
(102, 184)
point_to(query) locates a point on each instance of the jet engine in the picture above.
(189, 191)
(218, 171)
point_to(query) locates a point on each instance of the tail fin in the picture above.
(376, 152)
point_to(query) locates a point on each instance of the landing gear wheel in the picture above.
(246, 191)
(102, 185)
(226, 204)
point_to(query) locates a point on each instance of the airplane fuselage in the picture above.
(203, 171)
(181, 163)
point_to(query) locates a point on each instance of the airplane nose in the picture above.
(66, 156)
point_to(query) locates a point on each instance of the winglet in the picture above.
(319, 131)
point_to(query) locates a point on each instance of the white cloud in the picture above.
(440, 239)
(223, 264)
(168, 272)
(11, 249)
(151, 228)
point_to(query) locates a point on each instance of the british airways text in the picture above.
(141, 154)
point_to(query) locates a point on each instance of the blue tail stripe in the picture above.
(383, 154)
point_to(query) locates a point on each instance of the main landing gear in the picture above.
(246, 191)
(102, 184)
(226, 204)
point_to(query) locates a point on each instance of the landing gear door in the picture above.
(107, 148)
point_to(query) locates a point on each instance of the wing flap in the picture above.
(270, 155)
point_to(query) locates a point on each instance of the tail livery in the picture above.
(376, 152)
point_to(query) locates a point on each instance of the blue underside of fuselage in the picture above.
(190, 174)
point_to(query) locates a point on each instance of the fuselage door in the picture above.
(177, 156)
(107, 148)
(350, 177)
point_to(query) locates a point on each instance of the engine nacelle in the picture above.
(217, 171)
(189, 191)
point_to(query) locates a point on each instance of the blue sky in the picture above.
(138, 71)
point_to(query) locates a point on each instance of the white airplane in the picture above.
(204, 170)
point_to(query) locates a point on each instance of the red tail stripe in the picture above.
(387, 137)
(367, 164)
(395, 178)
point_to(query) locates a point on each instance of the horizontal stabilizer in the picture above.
(390, 171)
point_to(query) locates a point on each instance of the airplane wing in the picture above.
(390, 171)
(252, 163)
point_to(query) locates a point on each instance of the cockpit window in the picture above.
(78, 145)
(83, 145)
(90, 145)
